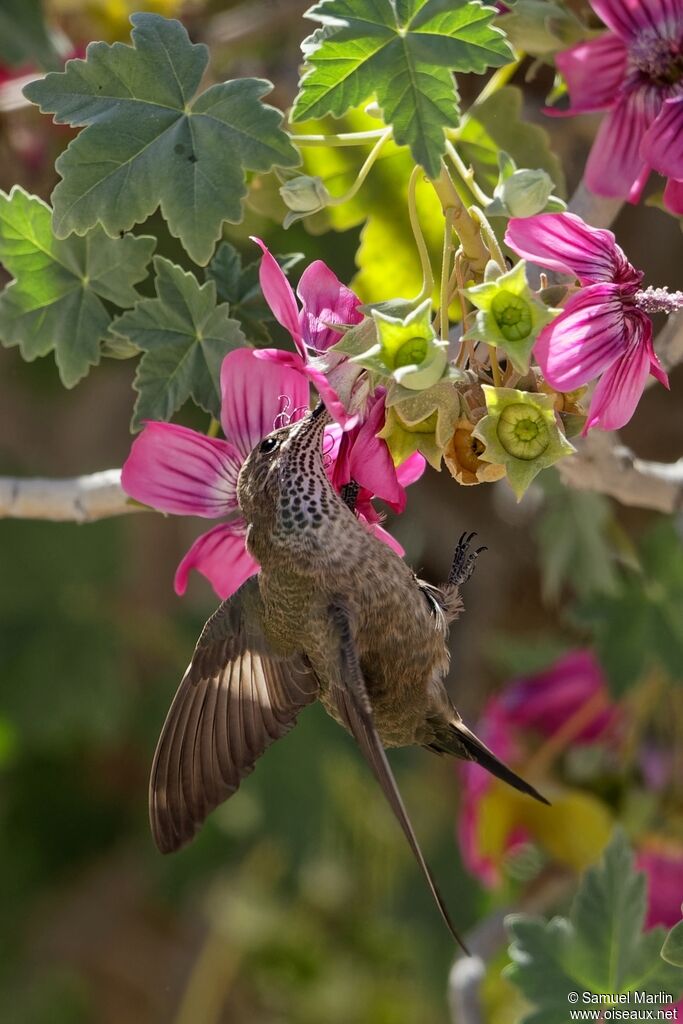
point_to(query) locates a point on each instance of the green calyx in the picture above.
(521, 431)
(422, 422)
(509, 315)
(404, 349)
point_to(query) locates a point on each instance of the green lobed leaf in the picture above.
(601, 948)
(403, 52)
(57, 300)
(149, 141)
(640, 625)
(185, 336)
(572, 536)
(239, 287)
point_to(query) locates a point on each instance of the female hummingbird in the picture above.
(333, 615)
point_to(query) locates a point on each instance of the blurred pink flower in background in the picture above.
(324, 301)
(566, 704)
(600, 332)
(663, 867)
(664, 142)
(183, 472)
(629, 71)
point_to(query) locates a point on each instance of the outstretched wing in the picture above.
(236, 698)
(353, 704)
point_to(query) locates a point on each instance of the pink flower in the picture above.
(601, 330)
(547, 701)
(183, 472)
(629, 71)
(663, 866)
(570, 695)
(664, 142)
(324, 301)
(359, 455)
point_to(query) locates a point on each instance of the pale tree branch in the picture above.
(78, 499)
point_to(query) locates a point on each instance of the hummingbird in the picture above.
(334, 615)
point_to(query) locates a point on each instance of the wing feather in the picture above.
(237, 697)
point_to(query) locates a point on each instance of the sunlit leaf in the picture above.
(403, 53)
(57, 300)
(185, 336)
(672, 950)
(149, 141)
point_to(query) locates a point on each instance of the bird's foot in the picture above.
(464, 560)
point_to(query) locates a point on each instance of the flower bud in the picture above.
(526, 192)
(303, 195)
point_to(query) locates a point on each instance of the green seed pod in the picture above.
(523, 431)
(411, 352)
(512, 313)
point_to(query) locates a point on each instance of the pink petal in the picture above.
(615, 166)
(325, 301)
(629, 18)
(545, 700)
(411, 470)
(594, 71)
(178, 470)
(586, 338)
(619, 389)
(662, 144)
(564, 242)
(255, 392)
(332, 401)
(370, 462)
(673, 196)
(663, 866)
(221, 556)
(278, 294)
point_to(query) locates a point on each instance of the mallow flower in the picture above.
(664, 143)
(178, 470)
(325, 301)
(567, 705)
(630, 71)
(601, 330)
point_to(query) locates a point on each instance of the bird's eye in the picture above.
(269, 445)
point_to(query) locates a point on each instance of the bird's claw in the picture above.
(464, 560)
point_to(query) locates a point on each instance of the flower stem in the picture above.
(465, 226)
(364, 171)
(467, 175)
(495, 368)
(498, 79)
(489, 237)
(342, 139)
(445, 274)
(425, 263)
(214, 427)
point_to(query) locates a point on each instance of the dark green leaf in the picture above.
(239, 287)
(57, 300)
(23, 36)
(184, 336)
(404, 53)
(601, 948)
(497, 124)
(640, 625)
(149, 142)
(572, 535)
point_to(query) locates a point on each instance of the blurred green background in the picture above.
(299, 901)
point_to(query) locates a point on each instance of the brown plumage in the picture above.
(334, 615)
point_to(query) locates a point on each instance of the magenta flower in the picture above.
(629, 71)
(183, 472)
(358, 454)
(544, 702)
(663, 866)
(601, 330)
(664, 142)
(571, 694)
(325, 301)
